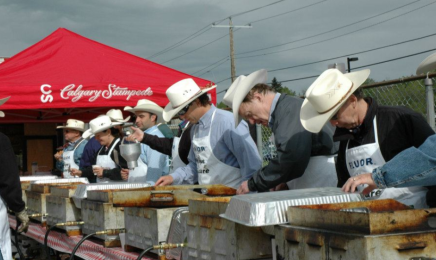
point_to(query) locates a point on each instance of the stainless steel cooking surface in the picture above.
(69, 180)
(177, 232)
(37, 178)
(82, 190)
(146, 227)
(294, 242)
(269, 208)
(212, 237)
(60, 207)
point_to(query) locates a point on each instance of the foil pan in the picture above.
(56, 181)
(37, 178)
(269, 208)
(81, 190)
(177, 232)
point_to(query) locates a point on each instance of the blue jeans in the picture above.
(412, 167)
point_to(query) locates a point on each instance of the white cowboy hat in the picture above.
(147, 106)
(428, 64)
(117, 116)
(74, 124)
(326, 95)
(230, 93)
(242, 86)
(181, 94)
(99, 124)
(2, 101)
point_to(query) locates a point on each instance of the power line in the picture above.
(364, 66)
(214, 67)
(342, 35)
(209, 65)
(205, 29)
(329, 31)
(351, 54)
(263, 19)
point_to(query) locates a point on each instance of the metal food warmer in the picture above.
(145, 213)
(211, 237)
(378, 229)
(26, 180)
(38, 192)
(101, 216)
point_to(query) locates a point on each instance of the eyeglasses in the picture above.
(334, 117)
(184, 110)
(67, 131)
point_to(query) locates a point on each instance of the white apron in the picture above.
(106, 162)
(320, 172)
(176, 162)
(5, 233)
(365, 158)
(210, 169)
(68, 158)
(139, 174)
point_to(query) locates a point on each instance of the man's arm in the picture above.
(161, 144)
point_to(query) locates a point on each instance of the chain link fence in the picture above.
(410, 92)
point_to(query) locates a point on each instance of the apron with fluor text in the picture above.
(68, 158)
(210, 169)
(365, 158)
(106, 162)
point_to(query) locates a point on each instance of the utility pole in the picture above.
(232, 50)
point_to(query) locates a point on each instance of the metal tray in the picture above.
(37, 178)
(81, 190)
(55, 181)
(269, 208)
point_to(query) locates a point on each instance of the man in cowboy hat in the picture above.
(148, 118)
(70, 158)
(219, 153)
(304, 159)
(421, 171)
(10, 194)
(369, 134)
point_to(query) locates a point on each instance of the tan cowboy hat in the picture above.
(326, 96)
(2, 101)
(99, 124)
(74, 124)
(242, 86)
(117, 116)
(181, 94)
(428, 64)
(146, 105)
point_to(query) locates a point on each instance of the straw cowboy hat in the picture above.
(242, 86)
(98, 125)
(74, 124)
(428, 64)
(2, 101)
(117, 116)
(326, 96)
(181, 94)
(146, 105)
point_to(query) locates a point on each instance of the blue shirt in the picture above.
(273, 107)
(234, 147)
(158, 163)
(89, 156)
(77, 153)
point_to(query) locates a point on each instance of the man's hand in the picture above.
(137, 135)
(125, 174)
(281, 186)
(164, 181)
(24, 218)
(58, 156)
(75, 172)
(243, 189)
(98, 171)
(353, 182)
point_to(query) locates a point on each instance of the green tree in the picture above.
(278, 87)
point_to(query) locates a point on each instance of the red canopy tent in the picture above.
(66, 75)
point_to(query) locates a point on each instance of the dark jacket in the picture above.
(89, 154)
(398, 129)
(10, 187)
(164, 145)
(295, 146)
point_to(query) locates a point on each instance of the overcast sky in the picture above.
(145, 28)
